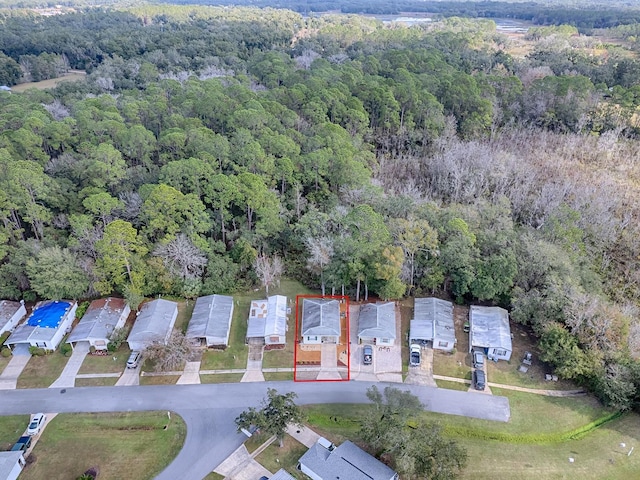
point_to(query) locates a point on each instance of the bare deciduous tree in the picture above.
(320, 253)
(172, 355)
(182, 257)
(268, 270)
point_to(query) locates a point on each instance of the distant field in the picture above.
(51, 83)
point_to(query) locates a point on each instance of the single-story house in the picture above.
(490, 331)
(268, 320)
(49, 322)
(433, 322)
(320, 320)
(210, 322)
(154, 323)
(10, 314)
(11, 465)
(99, 321)
(325, 461)
(282, 474)
(377, 323)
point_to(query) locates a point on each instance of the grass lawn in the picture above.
(255, 441)
(447, 384)
(121, 445)
(337, 422)
(106, 363)
(10, 430)
(159, 380)
(221, 378)
(3, 362)
(41, 372)
(275, 457)
(96, 382)
(185, 309)
(277, 376)
(214, 476)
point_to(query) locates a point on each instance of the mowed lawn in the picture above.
(42, 371)
(11, 428)
(122, 446)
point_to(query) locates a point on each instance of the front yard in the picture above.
(11, 428)
(274, 457)
(42, 371)
(114, 362)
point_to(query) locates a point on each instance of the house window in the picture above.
(385, 340)
(443, 344)
(500, 352)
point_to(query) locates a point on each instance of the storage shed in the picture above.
(154, 324)
(211, 320)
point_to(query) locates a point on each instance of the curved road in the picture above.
(209, 410)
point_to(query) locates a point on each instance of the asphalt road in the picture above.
(209, 410)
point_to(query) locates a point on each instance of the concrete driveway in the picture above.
(68, 376)
(10, 374)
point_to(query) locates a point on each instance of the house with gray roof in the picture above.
(154, 323)
(46, 326)
(268, 320)
(99, 321)
(282, 474)
(10, 314)
(490, 332)
(11, 465)
(433, 322)
(210, 322)
(320, 320)
(377, 323)
(324, 461)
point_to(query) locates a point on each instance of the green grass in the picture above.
(96, 382)
(41, 372)
(453, 365)
(337, 422)
(185, 310)
(159, 380)
(106, 363)
(274, 457)
(221, 378)
(506, 373)
(214, 476)
(10, 430)
(255, 441)
(123, 445)
(452, 385)
(4, 362)
(277, 376)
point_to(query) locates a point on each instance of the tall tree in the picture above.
(268, 270)
(55, 274)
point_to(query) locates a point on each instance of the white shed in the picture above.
(47, 325)
(99, 321)
(490, 332)
(211, 320)
(10, 314)
(154, 324)
(11, 465)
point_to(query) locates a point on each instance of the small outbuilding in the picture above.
(154, 323)
(490, 332)
(45, 328)
(10, 314)
(210, 322)
(325, 461)
(433, 322)
(11, 465)
(99, 321)
(320, 320)
(377, 323)
(268, 320)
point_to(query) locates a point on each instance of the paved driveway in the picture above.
(68, 376)
(10, 374)
(209, 410)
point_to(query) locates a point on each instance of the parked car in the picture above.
(479, 379)
(22, 445)
(36, 424)
(478, 360)
(367, 355)
(466, 327)
(134, 359)
(414, 358)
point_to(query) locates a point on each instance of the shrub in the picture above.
(92, 349)
(5, 352)
(82, 308)
(65, 349)
(3, 337)
(37, 351)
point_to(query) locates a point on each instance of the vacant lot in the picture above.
(124, 445)
(51, 83)
(41, 372)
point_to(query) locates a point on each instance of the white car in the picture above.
(36, 424)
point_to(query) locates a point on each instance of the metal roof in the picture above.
(26, 333)
(377, 320)
(320, 316)
(427, 314)
(154, 322)
(489, 327)
(99, 320)
(281, 475)
(8, 462)
(268, 317)
(211, 317)
(347, 462)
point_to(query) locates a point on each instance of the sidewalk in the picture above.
(548, 393)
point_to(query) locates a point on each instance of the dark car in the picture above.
(479, 380)
(22, 445)
(367, 355)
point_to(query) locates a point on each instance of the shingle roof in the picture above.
(489, 327)
(211, 317)
(377, 320)
(154, 322)
(320, 317)
(99, 320)
(346, 462)
(7, 310)
(432, 317)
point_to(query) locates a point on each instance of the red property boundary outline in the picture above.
(296, 339)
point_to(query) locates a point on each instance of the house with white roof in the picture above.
(490, 332)
(377, 323)
(210, 322)
(46, 326)
(433, 323)
(10, 314)
(320, 321)
(99, 321)
(268, 320)
(154, 323)
(11, 465)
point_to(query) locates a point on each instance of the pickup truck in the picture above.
(414, 358)
(367, 355)
(22, 445)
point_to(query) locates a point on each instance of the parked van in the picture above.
(134, 358)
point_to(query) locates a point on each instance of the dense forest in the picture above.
(378, 160)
